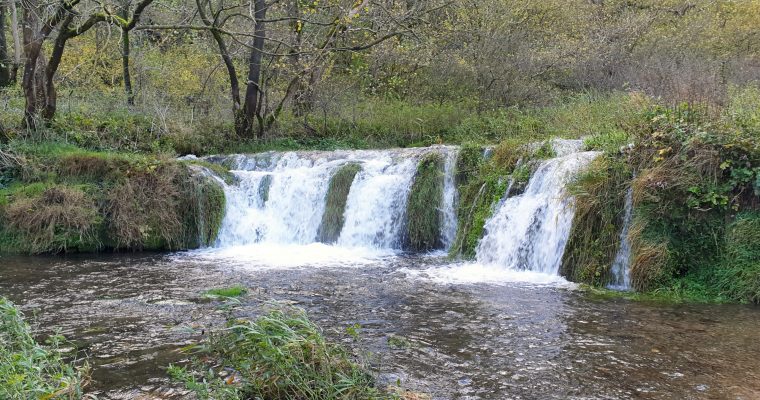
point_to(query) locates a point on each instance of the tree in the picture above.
(290, 43)
(40, 21)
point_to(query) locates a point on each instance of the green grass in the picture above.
(232, 291)
(280, 355)
(29, 370)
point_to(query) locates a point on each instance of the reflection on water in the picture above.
(130, 314)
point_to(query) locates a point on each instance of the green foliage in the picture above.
(737, 276)
(335, 203)
(232, 291)
(280, 355)
(599, 194)
(29, 370)
(423, 215)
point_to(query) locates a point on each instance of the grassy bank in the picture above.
(29, 370)
(695, 176)
(60, 198)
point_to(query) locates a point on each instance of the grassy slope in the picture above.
(61, 198)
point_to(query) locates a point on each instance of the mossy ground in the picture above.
(423, 210)
(61, 198)
(335, 203)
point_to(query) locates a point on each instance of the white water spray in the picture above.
(529, 231)
(621, 277)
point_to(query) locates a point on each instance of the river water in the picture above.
(430, 325)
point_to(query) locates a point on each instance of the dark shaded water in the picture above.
(130, 315)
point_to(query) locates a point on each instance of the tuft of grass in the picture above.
(29, 370)
(232, 291)
(335, 203)
(280, 355)
(423, 210)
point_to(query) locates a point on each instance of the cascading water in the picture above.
(529, 231)
(621, 278)
(279, 198)
(450, 199)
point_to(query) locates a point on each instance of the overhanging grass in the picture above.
(423, 210)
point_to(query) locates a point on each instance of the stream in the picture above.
(130, 316)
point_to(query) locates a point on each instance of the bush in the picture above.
(29, 370)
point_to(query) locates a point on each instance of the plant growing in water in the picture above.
(280, 355)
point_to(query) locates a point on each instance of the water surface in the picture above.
(451, 338)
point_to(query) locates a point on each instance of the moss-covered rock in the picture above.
(335, 203)
(423, 210)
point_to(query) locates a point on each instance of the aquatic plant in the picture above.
(423, 226)
(29, 370)
(232, 291)
(335, 203)
(280, 355)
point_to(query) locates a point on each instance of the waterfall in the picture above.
(450, 199)
(280, 198)
(529, 231)
(621, 278)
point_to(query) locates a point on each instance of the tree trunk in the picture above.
(252, 106)
(16, 41)
(6, 64)
(32, 81)
(125, 67)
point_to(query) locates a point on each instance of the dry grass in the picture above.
(649, 262)
(142, 210)
(59, 219)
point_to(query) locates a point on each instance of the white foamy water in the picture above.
(450, 200)
(279, 199)
(261, 256)
(473, 273)
(529, 231)
(621, 277)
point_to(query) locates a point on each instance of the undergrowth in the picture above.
(63, 198)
